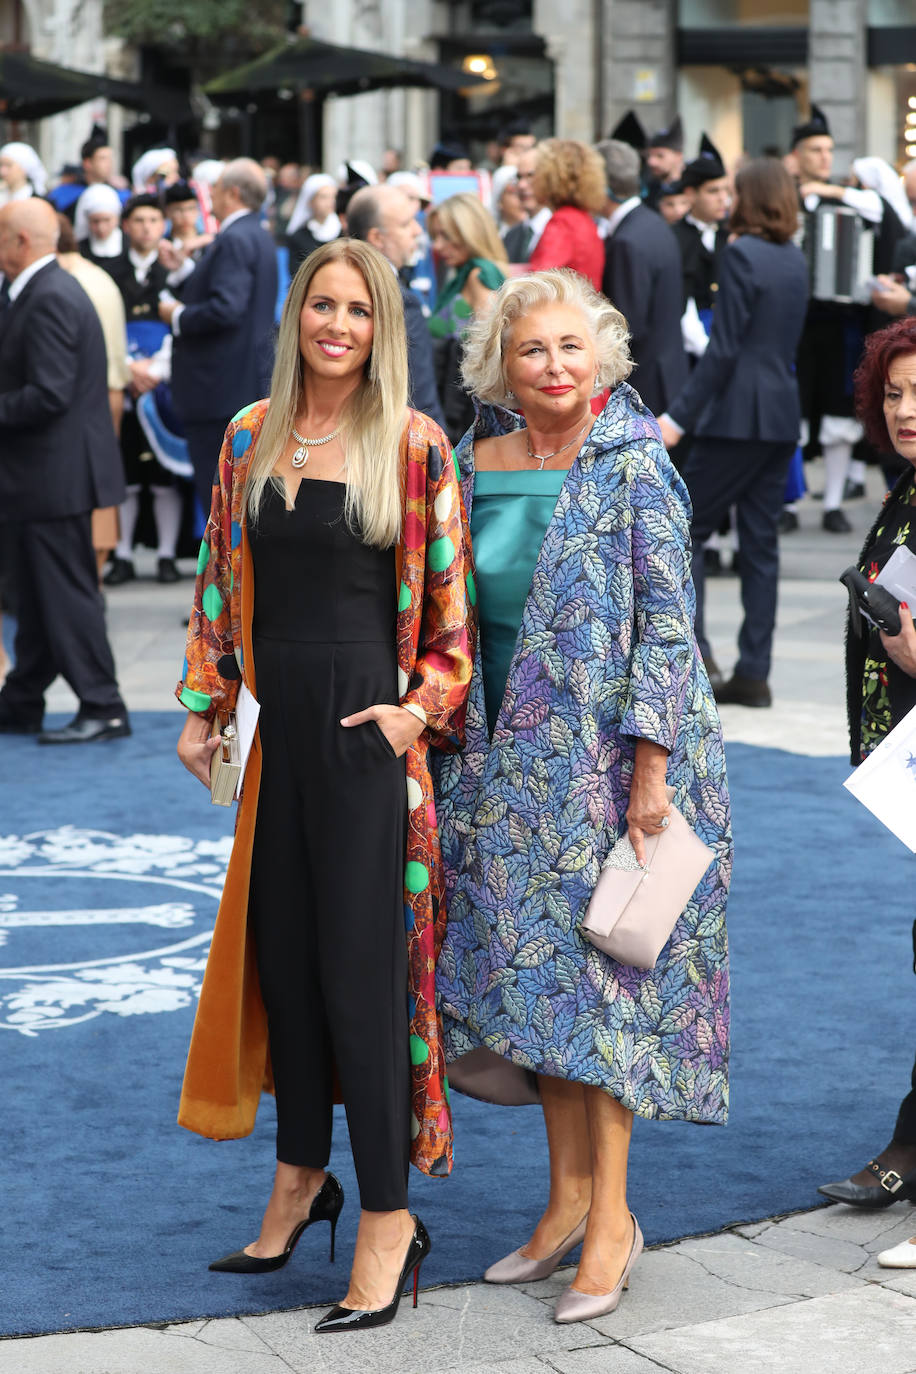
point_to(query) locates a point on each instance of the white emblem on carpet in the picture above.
(64, 961)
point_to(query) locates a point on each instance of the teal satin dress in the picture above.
(509, 518)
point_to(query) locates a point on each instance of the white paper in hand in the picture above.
(886, 781)
(898, 576)
(247, 711)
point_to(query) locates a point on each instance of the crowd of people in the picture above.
(504, 412)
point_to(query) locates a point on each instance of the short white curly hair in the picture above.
(483, 366)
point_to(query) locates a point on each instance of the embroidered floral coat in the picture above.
(228, 1061)
(605, 655)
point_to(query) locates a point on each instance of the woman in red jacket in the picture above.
(570, 179)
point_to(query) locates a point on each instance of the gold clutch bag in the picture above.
(226, 763)
(633, 910)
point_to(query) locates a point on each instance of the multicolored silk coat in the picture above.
(605, 656)
(228, 1061)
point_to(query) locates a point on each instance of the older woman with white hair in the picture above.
(314, 219)
(22, 173)
(589, 700)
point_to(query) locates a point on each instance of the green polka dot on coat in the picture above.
(404, 597)
(212, 603)
(441, 554)
(419, 1050)
(416, 877)
(202, 556)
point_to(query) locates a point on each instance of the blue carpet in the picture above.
(112, 1212)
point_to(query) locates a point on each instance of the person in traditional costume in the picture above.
(99, 217)
(588, 700)
(22, 173)
(360, 675)
(834, 333)
(314, 219)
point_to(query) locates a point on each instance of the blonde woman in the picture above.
(335, 577)
(466, 242)
(570, 178)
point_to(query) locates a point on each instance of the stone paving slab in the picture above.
(870, 1331)
(139, 1350)
(451, 1329)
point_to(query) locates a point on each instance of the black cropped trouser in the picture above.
(327, 911)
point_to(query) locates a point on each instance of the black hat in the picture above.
(179, 193)
(707, 167)
(816, 127)
(141, 202)
(669, 188)
(444, 153)
(672, 137)
(98, 138)
(630, 130)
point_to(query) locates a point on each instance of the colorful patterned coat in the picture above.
(606, 655)
(228, 1062)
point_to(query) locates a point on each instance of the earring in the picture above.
(510, 395)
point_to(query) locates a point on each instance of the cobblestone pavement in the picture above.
(801, 1294)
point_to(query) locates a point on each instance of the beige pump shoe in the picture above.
(573, 1306)
(518, 1268)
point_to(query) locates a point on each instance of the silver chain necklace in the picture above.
(542, 457)
(301, 455)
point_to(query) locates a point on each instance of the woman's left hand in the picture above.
(649, 808)
(400, 728)
(902, 648)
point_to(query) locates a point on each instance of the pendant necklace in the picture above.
(301, 455)
(542, 457)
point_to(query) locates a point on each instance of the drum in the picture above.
(840, 248)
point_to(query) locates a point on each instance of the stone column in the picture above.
(837, 72)
(569, 31)
(638, 50)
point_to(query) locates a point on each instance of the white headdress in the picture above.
(95, 200)
(877, 175)
(302, 211)
(146, 167)
(30, 162)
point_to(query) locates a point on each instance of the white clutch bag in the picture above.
(633, 910)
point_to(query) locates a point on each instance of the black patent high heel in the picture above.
(326, 1206)
(353, 1319)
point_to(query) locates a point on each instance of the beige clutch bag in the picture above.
(633, 910)
(226, 763)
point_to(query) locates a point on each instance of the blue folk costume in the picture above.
(605, 655)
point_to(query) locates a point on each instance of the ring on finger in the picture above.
(663, 823)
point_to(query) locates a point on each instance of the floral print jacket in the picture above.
(605, 655)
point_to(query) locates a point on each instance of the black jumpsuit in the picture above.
(326, 899)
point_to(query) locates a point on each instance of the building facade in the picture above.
(743, 71)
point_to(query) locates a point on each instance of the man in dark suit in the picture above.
(521, 240)
(642, 277)
(223, 325)
(384, 217)
(59, 460)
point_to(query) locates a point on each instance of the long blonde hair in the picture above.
(464, 220)
(374, 414)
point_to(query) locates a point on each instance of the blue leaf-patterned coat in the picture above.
(605, 655)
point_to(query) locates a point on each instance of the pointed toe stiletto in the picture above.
(518, 1268)
(354, 1319)
(326, 1206)
(573, 1306)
